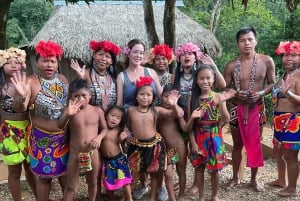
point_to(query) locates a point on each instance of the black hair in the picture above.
(196, 91)
(168, 88)
(179, 72)
(78, 84)
(123, 117)
(243, 31)
(130, 45)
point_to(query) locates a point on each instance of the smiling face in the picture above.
(102, 60)
(290, 62)
(136, 55)
(47, 66)
(205, 79)
(160, 63)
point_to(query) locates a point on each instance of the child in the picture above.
(209, 115)
(176, 148)
(14, 120)
(146, 150)
(84, 122)
(115, 164)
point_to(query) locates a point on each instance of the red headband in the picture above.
(49, 49)
(142, 81)
(288, 47)
(106, 46)
(163, 50)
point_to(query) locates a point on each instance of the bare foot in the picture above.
(257, 186)
(181, 198)
(287, 193)
(232, 184)
(202, 198)
(277, 183)
(193, 191)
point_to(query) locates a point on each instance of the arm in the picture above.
(23, 91)
(156, 81)
(220, 81)
(80, 72)
(291, 88)
(96, 142)
(119, 89)
(225, 117)
(71, 110)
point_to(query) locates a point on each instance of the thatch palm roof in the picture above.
(73, 26)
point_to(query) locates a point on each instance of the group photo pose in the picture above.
(147, 123)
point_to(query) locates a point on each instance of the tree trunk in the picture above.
(150, 23)
(4, 8)
(169, 27)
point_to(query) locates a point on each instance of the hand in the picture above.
(73, 107)
(173, 97)
(226, 95)
(286, 84)
(206, 59)
(19, 81)
(198, 113)
(242, 95)
(94, 143)
(194, 148)
(75, 66)
(123, 135)
(146, 57)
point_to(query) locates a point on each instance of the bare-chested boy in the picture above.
(252, 75)
(116, 171)
(84, 122)
(170, 130)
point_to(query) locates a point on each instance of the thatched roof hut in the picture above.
(73, 26)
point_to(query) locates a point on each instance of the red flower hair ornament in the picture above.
(106, 46)
(288, 47)
(49, 49)
(161, 50)
(143, 81)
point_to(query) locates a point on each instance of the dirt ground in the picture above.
(243, 192)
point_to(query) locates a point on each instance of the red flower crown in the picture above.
(162, 50)
(143, 81)
(49, 49)
(106, 46)
(288, 47)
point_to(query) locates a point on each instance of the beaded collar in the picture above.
(237, 74)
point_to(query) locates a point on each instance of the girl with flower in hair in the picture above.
(146, 150)
(134, 52)
(286, 99)
(188, 57)
(46, 97)
(101, 74)
(14, 122)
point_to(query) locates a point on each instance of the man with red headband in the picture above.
(286, 99)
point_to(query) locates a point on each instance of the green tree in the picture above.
(15, 35)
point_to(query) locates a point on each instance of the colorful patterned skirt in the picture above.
(48, 152)
(286, 130)
(13, 141)
(116, 172)
(209, 139)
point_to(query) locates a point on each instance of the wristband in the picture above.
(261, 93)
(289, 93)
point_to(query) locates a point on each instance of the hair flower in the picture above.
(161, 50)
(188, 47)
(3, 57)
(126, 50)
(17, 53)
(49, 49)
(143, 81)
(288, 47)
(106, 46)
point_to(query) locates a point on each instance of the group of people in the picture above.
(125, 128)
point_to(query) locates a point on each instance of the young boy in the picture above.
(169, 128)
(84, 122)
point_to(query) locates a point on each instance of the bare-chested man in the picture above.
(252, 75)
